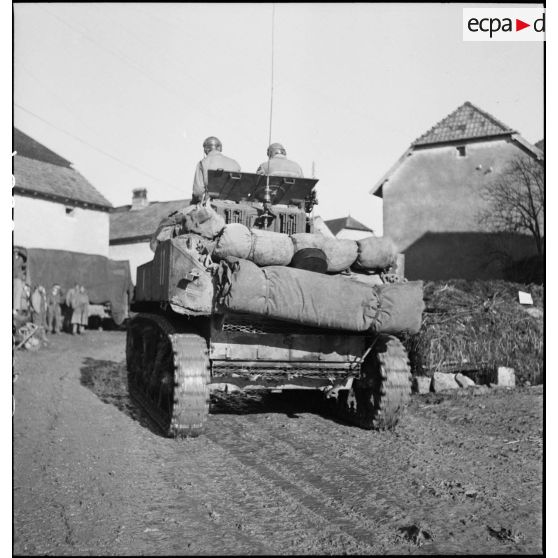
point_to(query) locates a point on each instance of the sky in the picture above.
(128, 92)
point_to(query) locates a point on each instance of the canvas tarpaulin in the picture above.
(105, 280)
(259, 246)
(313, 299)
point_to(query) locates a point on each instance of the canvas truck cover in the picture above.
(105, 280)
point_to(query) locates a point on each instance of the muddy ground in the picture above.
(276, 476)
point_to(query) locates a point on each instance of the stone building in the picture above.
(432, 198)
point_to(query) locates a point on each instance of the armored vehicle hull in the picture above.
(181, 346)
(174, 363)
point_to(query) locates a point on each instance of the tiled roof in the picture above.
(28, 147)
(140, 223)
(54, 181)
(336, 225)
(540, 145)
(466, 122)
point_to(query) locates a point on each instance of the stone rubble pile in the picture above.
(502, 376)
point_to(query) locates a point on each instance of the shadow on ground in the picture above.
(108, 381)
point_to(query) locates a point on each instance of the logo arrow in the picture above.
(519, 25)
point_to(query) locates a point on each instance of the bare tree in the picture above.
(515, 200)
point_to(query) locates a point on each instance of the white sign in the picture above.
(525, 298)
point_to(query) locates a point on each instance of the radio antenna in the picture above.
(272, 68)
(267, 215)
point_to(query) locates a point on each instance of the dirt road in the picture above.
(93, 476)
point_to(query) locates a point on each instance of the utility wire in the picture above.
(97, 149)
(57, 97)
(129, 62)
(122, 57)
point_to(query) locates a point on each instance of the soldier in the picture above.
(39, 306)
(278, 164)
(54, 314)
(213, 160)
(80, 314)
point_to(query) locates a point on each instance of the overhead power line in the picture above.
(122, 57)
(97, 149)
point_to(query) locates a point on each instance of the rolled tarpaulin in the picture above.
(235, 241)
(296, 295)
(271, 248)
(314, 299)
(341, 253)
(375, 252)
(400, 308)
(259, 246)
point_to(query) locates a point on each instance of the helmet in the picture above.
(212, 143)
(274, 149)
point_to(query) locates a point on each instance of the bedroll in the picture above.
(313, 299)
(259, 246)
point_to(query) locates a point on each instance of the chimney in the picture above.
(139, 199)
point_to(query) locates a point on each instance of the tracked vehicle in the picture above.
(176, 356)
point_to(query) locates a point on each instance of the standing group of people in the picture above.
(53, 310)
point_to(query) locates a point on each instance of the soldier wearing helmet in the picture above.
(213, 160)
(278, 164)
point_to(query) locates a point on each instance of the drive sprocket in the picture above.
(379, 395)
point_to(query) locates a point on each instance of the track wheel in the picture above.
(168, 375)
(191, 389)
(384, 388)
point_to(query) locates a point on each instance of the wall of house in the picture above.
(45, 224)
(436, 192)
(137, 254)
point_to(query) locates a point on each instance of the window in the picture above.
(70, 211)
(461, 151)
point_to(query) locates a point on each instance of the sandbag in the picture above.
(376, 252)
(400, 307)
(341, 253)
(271, 248)
(260, 246)
(202, 220)
(296, 295)
(235, 240)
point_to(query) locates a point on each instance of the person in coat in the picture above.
(39, 306)
(213, 160)
(69, 307)
(80, 314)
(278, 164)
(53, 310)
